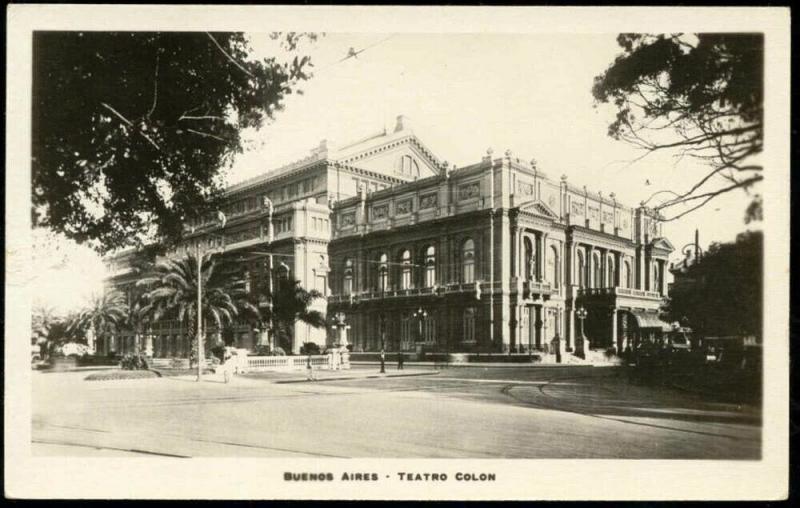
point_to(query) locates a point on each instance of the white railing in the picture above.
(287, 363)
(617, 291)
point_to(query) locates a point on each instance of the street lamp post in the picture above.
(199, 253)
(383, 344)
(200, 359)
(581, 315)
(421, 314)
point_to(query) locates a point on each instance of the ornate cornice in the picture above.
(598, 237)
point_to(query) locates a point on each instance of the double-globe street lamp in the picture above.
(581, 315)
(421, 314)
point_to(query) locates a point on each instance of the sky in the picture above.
(463, 94)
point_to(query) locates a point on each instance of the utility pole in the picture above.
(199, 254)
(200, 355)
(491, 248)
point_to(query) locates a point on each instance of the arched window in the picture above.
(581, 270)
(430, 266)
(405, 269)
(612, 276)
(469, 324)
(597, 280)
(282, 275)
(554, 267)
(468, 261)
(383, 272)
(529, 259)
(347, 287)
(625, 278)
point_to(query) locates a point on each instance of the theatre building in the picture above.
(415, 255)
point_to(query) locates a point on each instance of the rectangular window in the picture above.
(430, 276)
(469, 273)
(405, 281)
(469, 324)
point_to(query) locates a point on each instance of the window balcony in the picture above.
(638, 294)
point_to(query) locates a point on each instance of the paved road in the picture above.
(461, 412)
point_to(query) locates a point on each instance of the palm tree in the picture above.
(44, 321)
(104, 315)
(290, 304)
(172, 292)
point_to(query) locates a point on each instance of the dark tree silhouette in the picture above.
(132, 131)
(699, 95)
(290, 304)
(721, 294)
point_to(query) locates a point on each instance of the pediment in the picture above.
(662, 244)
(402, 157)
(539, 208)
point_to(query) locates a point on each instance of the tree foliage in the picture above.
(171, 293)
(701, 96)
(721, 294)
(105, 314)
(290, 303)
(43, 319)
(132, 131)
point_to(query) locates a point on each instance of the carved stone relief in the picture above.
(469, 191)
(428, 201)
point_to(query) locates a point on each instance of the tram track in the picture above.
(508, 391)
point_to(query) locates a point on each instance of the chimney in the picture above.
(402, 124)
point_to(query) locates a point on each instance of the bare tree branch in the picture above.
(199, 133)
(229, 57)
(130, 124)
(155, 88)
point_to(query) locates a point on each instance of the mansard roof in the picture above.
(361, 154)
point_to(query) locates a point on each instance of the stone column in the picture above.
(572, 268)
(543, 258)
(520, 254)
(590, 282)
(602, 282)
(514, 250)
(569, 335)
(544, 338)
(614, 328)
(625, 340)
(536, 318)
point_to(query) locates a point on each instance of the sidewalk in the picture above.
(335, 375)
(442, 365)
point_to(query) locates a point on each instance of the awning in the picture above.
(650, 320)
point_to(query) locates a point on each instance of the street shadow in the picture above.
(618, 396)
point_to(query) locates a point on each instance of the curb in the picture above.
(348, 378)
(493, 365)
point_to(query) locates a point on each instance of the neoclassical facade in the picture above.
(416, 255)
(495, 257)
